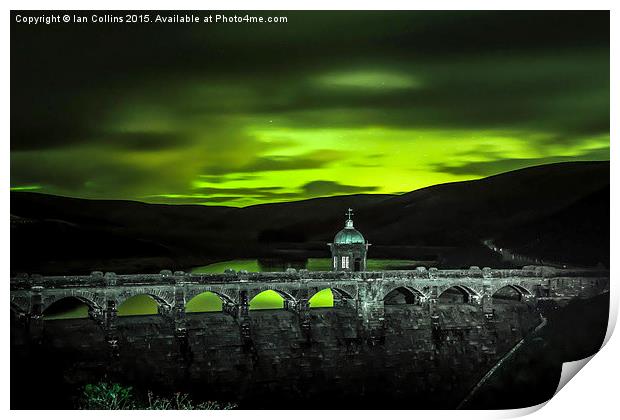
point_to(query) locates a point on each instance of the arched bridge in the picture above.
(367, 292)
(424, 324)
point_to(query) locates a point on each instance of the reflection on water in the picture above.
(312, 264)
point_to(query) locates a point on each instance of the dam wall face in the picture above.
(374, 348)
(283, 366)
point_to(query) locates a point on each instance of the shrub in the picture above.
(183, 402)
(107, 396)
(112, 396)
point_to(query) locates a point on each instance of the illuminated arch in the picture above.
(329, 297)
(68, 307)
(205, 302)
(403, 295)
(142, 304)
(324, 298)
(268, 299)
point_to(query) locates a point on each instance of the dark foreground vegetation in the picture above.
(114, 396)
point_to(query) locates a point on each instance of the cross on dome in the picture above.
(349, 223)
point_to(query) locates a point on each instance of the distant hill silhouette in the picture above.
(558, 211)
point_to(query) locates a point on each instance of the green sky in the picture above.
(329, 103)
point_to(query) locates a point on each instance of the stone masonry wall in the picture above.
(283, 366)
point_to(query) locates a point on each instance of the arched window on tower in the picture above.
(345, 262)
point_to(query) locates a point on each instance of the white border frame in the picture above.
(592, 394)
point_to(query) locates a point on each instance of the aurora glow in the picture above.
(330, 103)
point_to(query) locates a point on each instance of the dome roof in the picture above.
(349, 235)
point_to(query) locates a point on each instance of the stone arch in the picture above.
(325, 297)
(523, 290)
(283, 294)
(403, 295)
(68, 312)
(88, 297)
(342, 293)
(209, 305)
(162, 297)
(141, 308)
(458, 294)
(20, 302)
(225, 298)
(17, 309)
(515, 292)
(269, 299)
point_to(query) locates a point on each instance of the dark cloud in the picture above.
(195, 200)
(143, 140)
(318, 188)
(477, 68)
(313, 160)
(134, 111)
(89, 171)
(231, 195)
(219, 179)
(253, 192)
(491, 167)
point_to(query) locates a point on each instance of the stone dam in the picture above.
(409, 339)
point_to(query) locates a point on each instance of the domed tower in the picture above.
(349, 248)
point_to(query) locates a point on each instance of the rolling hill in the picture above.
(558, 211)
